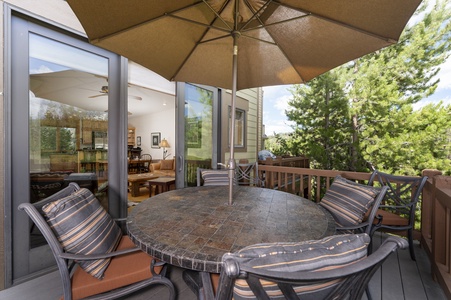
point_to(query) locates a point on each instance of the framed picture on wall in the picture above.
(138, 141)
(155, 138)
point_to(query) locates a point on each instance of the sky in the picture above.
(275, 101)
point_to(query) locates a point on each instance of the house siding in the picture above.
(249, 100)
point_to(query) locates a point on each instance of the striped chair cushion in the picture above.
(215, 177)
(84, 227)
(348, 201)
(327, 253)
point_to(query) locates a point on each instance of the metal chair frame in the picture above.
(247, 174)
(354, 277)
(66, 261)
(401, 199)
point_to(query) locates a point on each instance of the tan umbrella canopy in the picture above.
(238, 44)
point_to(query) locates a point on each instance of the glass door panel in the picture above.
(60, 132)
(198, 130)
(68, 122)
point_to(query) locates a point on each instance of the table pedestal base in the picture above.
(199, 283)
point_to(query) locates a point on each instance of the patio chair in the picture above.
(114, 266)
(247, 174)
(335, 267)
(353, 205)
(209, 177)
(397, 210)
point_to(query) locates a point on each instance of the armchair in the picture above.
(332, 268)
(247, 174)
(93, 257)
(353, 205)
(212, 177)
(397, 210)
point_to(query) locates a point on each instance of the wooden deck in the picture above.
(398, 278)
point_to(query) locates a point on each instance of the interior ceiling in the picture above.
(75, 88)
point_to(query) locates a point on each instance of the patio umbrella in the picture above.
(238, 44)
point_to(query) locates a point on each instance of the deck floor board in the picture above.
(401, 278)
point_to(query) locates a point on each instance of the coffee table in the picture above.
(163, 182)
(135, 180)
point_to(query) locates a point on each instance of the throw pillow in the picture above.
(348, 201)
(83, 227)
(328, 253)
(167, 164)
(215, 177)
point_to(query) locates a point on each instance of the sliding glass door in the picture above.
(197, 131)
(61, 130)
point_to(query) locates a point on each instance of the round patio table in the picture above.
(194, 227)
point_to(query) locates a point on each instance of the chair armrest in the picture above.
(154, 166)
(98, 256)
(362, 226)
(394, 207)
(120, 219)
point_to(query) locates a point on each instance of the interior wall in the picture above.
(162, 122)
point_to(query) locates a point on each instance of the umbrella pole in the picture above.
(233, 106)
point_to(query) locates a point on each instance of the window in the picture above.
(240, 125)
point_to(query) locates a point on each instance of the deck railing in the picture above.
(314, 182)
(435, 232)
(436, 226)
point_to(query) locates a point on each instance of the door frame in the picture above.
(180, 130)
(16, 144)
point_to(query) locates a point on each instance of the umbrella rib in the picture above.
(206, 26)
(275, 23)
(198, 23)
(366, 32)
(256, 13)
(264, 26)
(145, 22)
(217, 14)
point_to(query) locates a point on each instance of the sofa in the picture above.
(163, 168)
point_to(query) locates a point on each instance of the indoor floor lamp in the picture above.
(164, 144)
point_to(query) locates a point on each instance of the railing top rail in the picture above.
(316, 172)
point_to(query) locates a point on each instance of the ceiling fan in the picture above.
(104, 92)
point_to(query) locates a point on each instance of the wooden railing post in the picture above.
(427, 201)
(438, 215)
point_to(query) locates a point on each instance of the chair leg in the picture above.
(368, 294)
(193, 281)
(411, 249)
(370, 246)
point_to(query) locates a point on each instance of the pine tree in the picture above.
(320, 110)
(375, 123)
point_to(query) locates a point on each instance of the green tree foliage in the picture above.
(362, 114)
(323, 126)
(283, 145)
